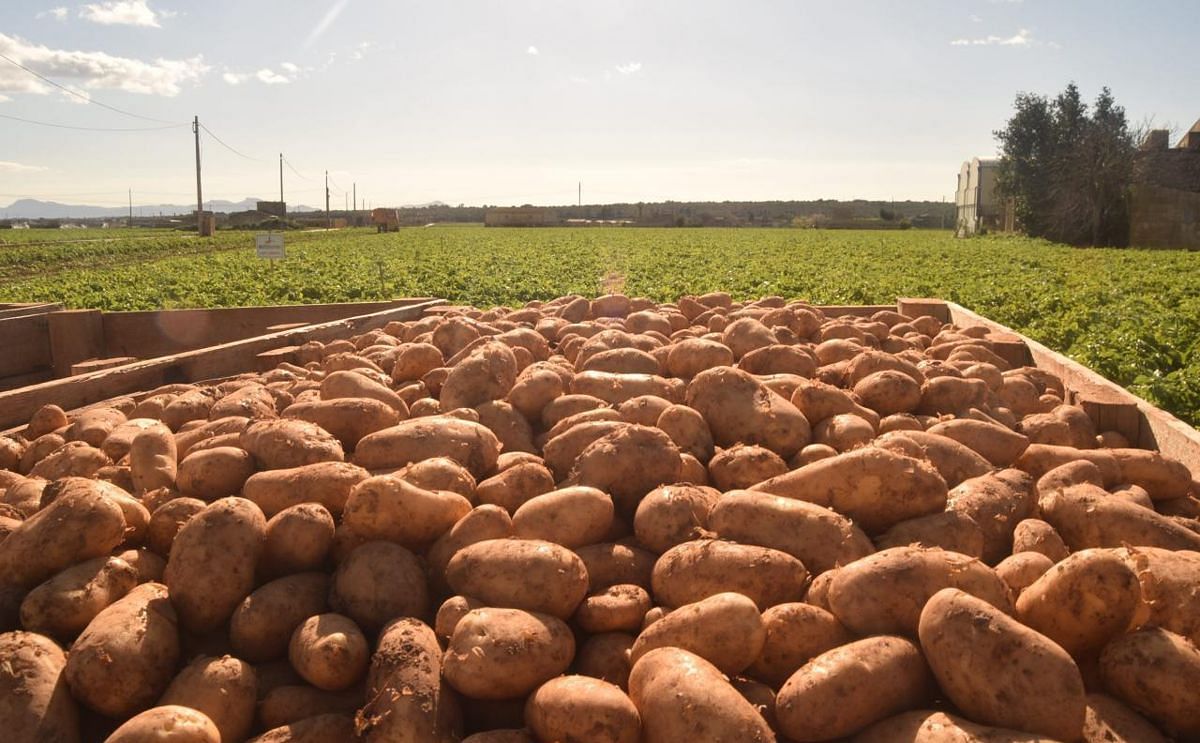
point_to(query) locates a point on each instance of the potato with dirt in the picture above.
(212, 564)
(407, 698)
(698, 569)
(35, 703)
(739, 409)
(726, 629)
(528, 574)
(223, 689)
(581, 708)
(64, 605)
(499, 654)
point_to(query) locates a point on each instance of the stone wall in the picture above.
(1164, 218)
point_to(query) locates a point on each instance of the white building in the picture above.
(979, 206)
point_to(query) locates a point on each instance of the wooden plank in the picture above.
(25, 342)
(862, 310)
(91, 365)
(228, 359)
(919, 307)
(1110, 406)
(75, 336)
(24, 380)
(25, 310)
(268, 360)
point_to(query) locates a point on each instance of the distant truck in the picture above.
(386, 220)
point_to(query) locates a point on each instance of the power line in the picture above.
(297, 172)
(222, 143)
(79, 95)
(92, 128)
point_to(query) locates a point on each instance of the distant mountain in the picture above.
(34, 209)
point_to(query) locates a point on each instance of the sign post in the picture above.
(270, 246)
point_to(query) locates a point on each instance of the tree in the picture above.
(1068, 172)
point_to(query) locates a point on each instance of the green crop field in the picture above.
(1132, 315)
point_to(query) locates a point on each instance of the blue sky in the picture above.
(513, 102)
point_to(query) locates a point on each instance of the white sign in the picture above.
(269, 245)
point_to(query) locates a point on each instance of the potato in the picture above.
(94, 425)
(618, 608)
(999, 672)
(993, 442)
(888, 392)
(215, 473)
(297, 539)
(883, 593)
(483, 522)
(168, 723)
(46, 419)
(818, 537)
(252, 401)
(39, 449)
(72, 459)
(510, 427)
(137, 518)
(415, 360)
(843, 690)
(688, 429)
(681, 696)
(627, 464)
(953, 461)
(1039, 459)
(795, 633)
(923, 726)
(35, 703)
(611, 563)
(582, 708)
(1110, 720)
(406, 696)
(997, 502)
(1168, 579)
(387, 507)
(673, 514)
(262, 624)
(185, 440)
(167, 520)
(348, 419)
(506, 653)
(451, 612)
(1086, 516)
(329, 651)
(615, 388)
(223, 689)
(534, 389)
(725, 629)
(285, 443)
(691, 356)
(874, 487)
(377, 582)
(153, 458)
(64, 605)
(525, 574)
(741, 466)
(212, 562)
(606, 657)
(125, 658)
(326, 483)
(353, 384)
(1035, 535)
(515, 485)
(470, 444)
(1164, 478)
(1082, 602)
(1156, 672)
(327, 727)
(739, 409)
(951, 395)
(696, 570)
(572, 517)
(561, 408)
(1021, 569)
(949, 530)
(76, 527)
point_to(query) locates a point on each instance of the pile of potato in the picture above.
(601, 521)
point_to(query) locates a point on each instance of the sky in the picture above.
(516, 102)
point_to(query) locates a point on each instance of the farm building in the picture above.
(519, 216)
(1164, 209)
(979, 207)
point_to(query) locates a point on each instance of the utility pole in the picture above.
(131, 207)
(354, 187)
(281, 177)
(328, 219)
(581, 193)
(199, 194)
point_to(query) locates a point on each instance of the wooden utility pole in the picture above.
(281, 177)
(131, 207)
(328, 219)
(354, 187)
(199, 194)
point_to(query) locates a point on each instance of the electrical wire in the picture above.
(297, 172)
(222, 143)
(92, 128)
(79, 95)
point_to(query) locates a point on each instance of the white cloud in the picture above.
(58, 14)
(326, 21)
(123, 13)
(235, 78)
(271, 77)
(976, 19)
(1022, 37)
(289, 67)
(532, 51)
(93, 70)
(9, 167)
(362, 49)
(630, 68)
